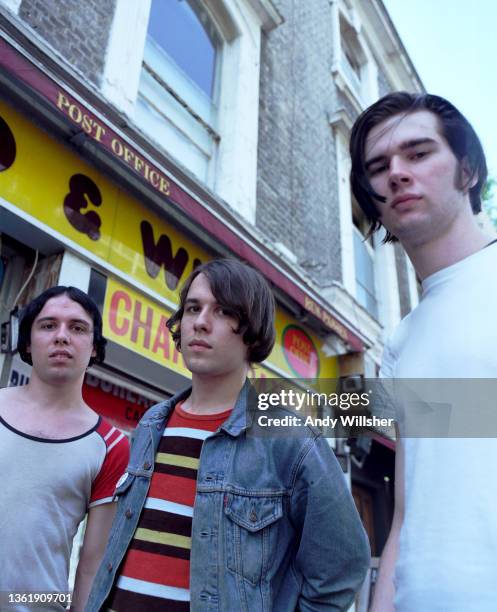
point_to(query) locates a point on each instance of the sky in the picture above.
(453, 46)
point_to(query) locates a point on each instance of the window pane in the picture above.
(175, 26)
(364, 267)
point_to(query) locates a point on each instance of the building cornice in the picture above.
(268, 15)
(387, 46)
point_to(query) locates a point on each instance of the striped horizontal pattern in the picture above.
(155, 574)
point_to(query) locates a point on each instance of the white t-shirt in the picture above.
(448, 544)
(47, 487)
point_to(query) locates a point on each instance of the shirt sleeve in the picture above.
(113, 466)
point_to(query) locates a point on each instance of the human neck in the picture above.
(214, 394)
(462, 239)
(61, 397)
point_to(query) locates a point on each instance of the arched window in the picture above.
(177, 100)
(184, 31)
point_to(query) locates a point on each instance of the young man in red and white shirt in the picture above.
(59, 458)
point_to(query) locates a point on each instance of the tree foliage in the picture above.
(487, 191)
(489, 199)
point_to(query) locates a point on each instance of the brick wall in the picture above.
(297, 200)
(78, 30)
(297, 191)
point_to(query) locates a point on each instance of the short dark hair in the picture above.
(243, 291)
(33, 309)
(455, 128)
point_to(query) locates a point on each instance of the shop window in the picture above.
(364, 263)
(178, 88)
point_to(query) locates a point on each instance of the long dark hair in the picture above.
(455, 128)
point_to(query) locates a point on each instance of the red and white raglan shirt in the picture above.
(47, 488)
(155, 573)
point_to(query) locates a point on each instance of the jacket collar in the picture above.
(240, 418)
(242, 415)
(163, 409)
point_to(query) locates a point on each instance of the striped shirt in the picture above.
(155, 574)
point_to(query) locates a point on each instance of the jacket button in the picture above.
(146, 465)
(253, 516)
(109, 567)
(129, 513)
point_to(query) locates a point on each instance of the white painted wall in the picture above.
(413, 284)
(11, 5)
(125, 53)
(74, 272)
(345, 205)
(387, 286)
(236, 168)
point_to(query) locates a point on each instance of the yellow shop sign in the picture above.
(54, 186)
(139, 324)
(47, 181)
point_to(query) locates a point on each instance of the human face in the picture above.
(209, 344)
(61, 340)
(410, 163)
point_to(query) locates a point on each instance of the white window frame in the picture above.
(370, 251)
(387, 284)
(412, 284)
(12, 5)
(341, 128)
(232, 169)
(361, 90)
(171, 108)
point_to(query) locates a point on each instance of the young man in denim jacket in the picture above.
(210, 518)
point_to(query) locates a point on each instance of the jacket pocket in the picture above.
(250, 533)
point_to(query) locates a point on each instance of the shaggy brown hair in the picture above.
(245, 293)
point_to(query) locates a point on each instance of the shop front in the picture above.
(66, 221)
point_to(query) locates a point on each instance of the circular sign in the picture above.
(300, 352)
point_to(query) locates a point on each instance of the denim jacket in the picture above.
(274, 525)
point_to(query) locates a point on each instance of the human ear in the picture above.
(468, 179)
